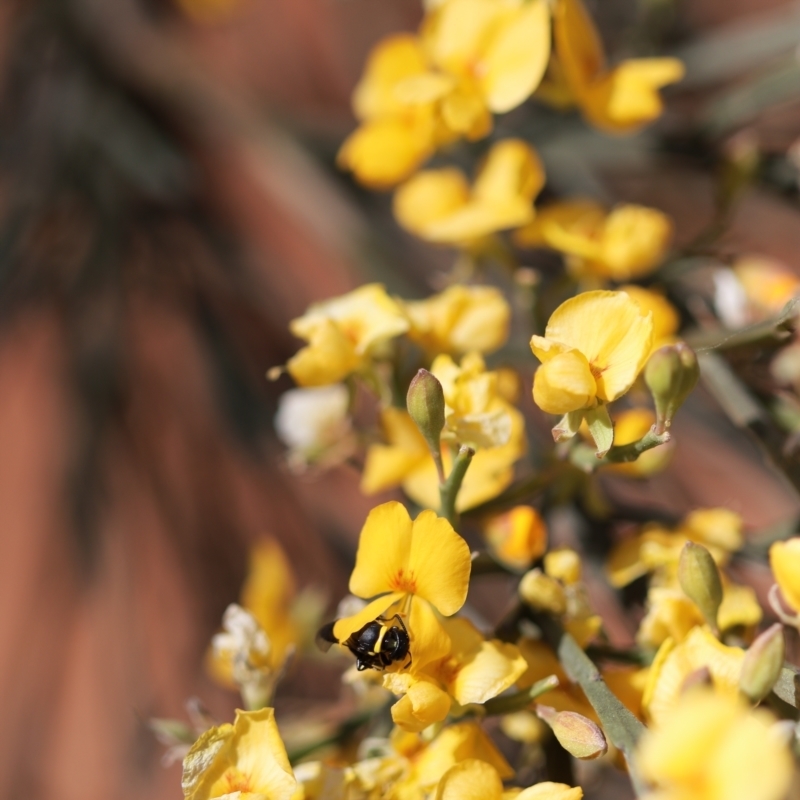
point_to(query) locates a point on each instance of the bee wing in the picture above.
(325, 637)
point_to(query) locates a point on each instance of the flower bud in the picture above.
(543, 592)
(700, 581)
(579, 736)
(762, 664)
(670, 374)
(425, 401)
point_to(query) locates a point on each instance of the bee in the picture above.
(377, 645)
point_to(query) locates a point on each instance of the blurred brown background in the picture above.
(169, 202)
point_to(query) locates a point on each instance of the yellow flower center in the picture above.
(237, 781)
(403, 581)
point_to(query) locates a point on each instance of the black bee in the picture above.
(377, 645)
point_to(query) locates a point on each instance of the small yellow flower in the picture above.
(784, 558)
(618, 100)
(675, 663)
(460, 319)
(245, 760)
(477, 414)
(397, 132)
(475, 58)
(658, 549)
(476, 780)
(439, 206)
(517, 537)
(414, 568)
(343, 334)
(268, 595)
(474, 671)
(769, 285)
(710, 747)
(594, 347)
(626, 243)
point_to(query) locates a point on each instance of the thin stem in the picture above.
(520, 700)
(347, 727)
(585, 459)
(448, 491)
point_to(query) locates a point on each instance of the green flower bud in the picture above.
(700, 581)
(425, 401)
(763, 663)
(670, 374)
(579, 736)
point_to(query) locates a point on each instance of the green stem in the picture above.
(347, 727)
(585, 459)
(520, 700)
(448, 491)
(621, 727)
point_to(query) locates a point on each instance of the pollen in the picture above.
(237, 781)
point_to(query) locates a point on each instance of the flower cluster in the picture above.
(626, 640)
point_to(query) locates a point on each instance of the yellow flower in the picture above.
(460, 319)
(245, 760)
(594, 347)
(477, 57)
(626, 243)
(658, 549)
(413, 569)
(784, 558)
(769, 285)
(517, 537)
(618, 100)
(476, 780)
(675, 663)
(267, 594)
(711, 747)
(629, 427)
(477, 414)
(474, 671)
(398, 132)
(343, 334)
(439, 206)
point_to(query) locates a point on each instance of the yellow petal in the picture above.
(431, 195)
(458, 34)
(439, 563)
(625, 563)
(784, 558)
(518, 537)
(577, 43)
(564, 383)
(570, 227)
(634, 241)
(609, 329)
(699, 650)
(346, 626)
(459, 319)
(514, 62)
(383, 152)
(666, 319)
(512, 170)
(464, 111)
(384, 548)
(421, 706)
(253, 760)
(715, 527)
(627, 97)
(429, 639)
(329, 357)
(391, 61)
(453, 745)
(547, 790)
(495, 667)
(470, 780)
(739, 607)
